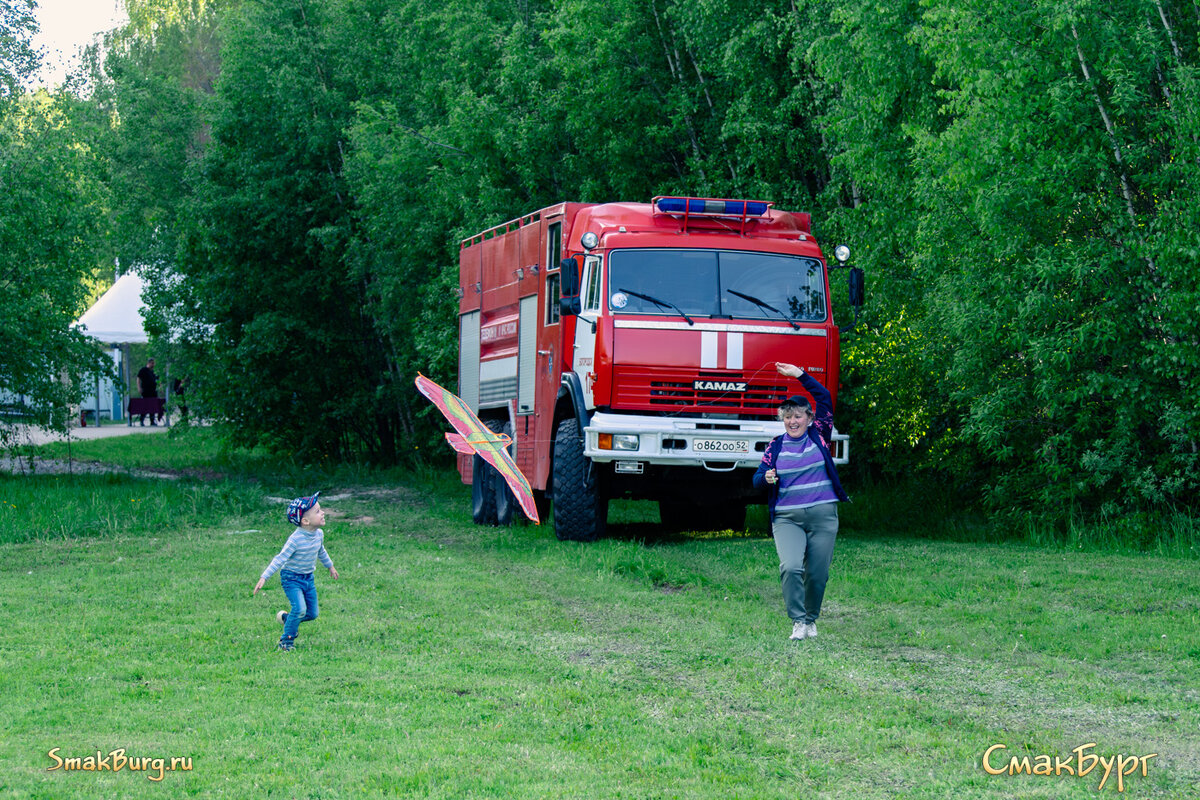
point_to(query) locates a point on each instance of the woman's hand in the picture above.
(258, 586)
(789, 370)
(771, 476)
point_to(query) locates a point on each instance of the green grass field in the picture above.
(453, 661)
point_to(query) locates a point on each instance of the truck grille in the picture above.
(651, 389)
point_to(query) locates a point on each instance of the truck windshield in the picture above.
(697, 282)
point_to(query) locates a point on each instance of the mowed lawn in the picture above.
(454, 661)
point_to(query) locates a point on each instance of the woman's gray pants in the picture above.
(804, 539)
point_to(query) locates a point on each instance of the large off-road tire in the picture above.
(686, 515)
(492, 502)
(483, 494)
(506, 502)
(580, 504)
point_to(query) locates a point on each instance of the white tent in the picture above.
(116, 318)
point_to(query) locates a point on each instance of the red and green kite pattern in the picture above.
(474, 437)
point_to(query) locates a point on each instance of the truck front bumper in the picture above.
(717, 445)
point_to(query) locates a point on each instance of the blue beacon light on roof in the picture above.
(696, 205)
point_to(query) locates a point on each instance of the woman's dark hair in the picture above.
(795, 405)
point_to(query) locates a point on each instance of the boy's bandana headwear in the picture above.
(297, 507)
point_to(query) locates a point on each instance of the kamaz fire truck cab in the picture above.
(635, 357)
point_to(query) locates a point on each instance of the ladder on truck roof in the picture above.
(501, 229)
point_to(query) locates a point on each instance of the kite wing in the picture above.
(474, 437)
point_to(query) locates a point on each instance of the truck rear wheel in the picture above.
(506, 501)
(580, 507)
(491, 500)
(483, 494)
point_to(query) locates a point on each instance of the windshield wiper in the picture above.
(659, 303)
(761, 304)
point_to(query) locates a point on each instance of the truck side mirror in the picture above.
(857, 287)
(569, 302)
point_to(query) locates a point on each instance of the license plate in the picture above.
(720, 446)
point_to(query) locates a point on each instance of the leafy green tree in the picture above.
(875, 92)
(1018, 183)
(1036, 200)
(150, 86)
(292, 357)
(52, 207)
(51, 213)
(152, 83)
(18, 60)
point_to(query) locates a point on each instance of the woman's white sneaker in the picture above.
(800, 630)
(810, 630)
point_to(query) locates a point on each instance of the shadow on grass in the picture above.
(638, 521)
(650, 534)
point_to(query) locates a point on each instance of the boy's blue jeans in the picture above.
(301, 591)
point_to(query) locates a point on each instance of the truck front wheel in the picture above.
(580, 505)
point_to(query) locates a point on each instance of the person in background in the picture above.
(147, 383)
(803, 491)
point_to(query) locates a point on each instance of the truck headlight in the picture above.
(618, 441)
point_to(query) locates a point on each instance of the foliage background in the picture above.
(53, 201)
(1019, 184)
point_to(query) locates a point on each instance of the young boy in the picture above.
(297, 559)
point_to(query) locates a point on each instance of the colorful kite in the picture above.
(474, 437)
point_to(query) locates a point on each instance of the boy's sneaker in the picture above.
(287, 648)
(810, 630)
(799, 630)
(281, 616)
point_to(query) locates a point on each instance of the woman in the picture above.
(802, 497)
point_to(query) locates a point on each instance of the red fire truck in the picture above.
(629, 350)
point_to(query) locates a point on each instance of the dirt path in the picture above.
(27, 435)
(36, 436)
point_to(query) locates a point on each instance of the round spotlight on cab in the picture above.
(841, 253)
(590, 241)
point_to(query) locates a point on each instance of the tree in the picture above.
(152, 87)
(1062, 153)
(18, 60)
(51, 237)
(1018, 183)
(292, 360)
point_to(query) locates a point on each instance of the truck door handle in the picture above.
(543, 352)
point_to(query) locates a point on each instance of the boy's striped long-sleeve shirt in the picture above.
(300, 553)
